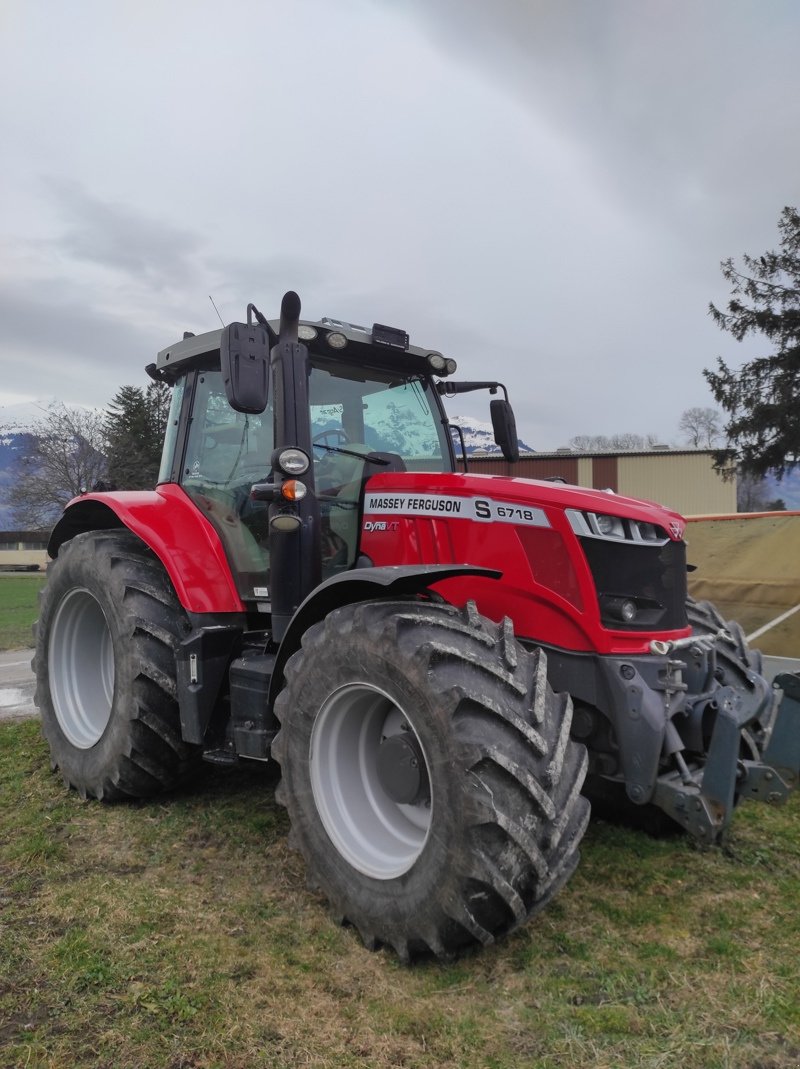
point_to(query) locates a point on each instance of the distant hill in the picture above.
(16, 422)
(788, 490)
(10, 446)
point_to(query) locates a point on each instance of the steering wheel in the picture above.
(323, 438)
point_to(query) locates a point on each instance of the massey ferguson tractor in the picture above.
(446, 666)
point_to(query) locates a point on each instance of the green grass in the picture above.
(179, 934)
(18, 609)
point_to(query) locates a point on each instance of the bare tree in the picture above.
(701, 427)
(624, 442)
(63, 455)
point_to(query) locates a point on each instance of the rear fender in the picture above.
(362, 584)
(174, 529)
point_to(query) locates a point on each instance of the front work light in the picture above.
(292, 461)
(619, 608)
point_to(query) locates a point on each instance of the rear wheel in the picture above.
(430, 779)
(109, 623)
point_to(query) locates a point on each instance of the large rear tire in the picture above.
(109, 624)
(429, 776)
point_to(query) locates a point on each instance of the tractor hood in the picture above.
(483, 497)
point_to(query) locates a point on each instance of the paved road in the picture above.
(16, 684)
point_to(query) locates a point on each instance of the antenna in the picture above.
(216, 310)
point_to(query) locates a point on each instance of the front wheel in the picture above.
(108, 626)
(430, 779)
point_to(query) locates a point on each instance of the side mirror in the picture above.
(244, 360)
(505, 429)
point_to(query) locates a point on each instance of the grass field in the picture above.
(178, 934)
(18, 609)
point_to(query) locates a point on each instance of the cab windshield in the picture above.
(380, 410)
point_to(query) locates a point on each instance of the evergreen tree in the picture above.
(762, 398)
(134, 426)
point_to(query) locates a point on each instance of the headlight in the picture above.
(608, 526)
(648, 532)
(292, 461)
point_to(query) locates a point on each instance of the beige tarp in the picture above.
(750, 568)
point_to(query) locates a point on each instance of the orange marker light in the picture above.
(294, 490)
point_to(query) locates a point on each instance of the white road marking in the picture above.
(773, 623)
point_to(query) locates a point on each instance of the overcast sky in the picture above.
(542, 189)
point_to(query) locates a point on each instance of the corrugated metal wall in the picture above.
(543, 467)
(685, 482)
(605, 474)
(682, 480)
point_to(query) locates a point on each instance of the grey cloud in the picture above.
(264, 280)
(81, 353)
(680, 105)
(113, 235)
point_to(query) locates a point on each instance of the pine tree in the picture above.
(134, 425)
(762, 398)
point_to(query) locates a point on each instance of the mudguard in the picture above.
(169, 523)
(363, 584)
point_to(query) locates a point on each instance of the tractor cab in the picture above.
(352, 401)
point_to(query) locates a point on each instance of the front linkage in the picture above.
(753, 751)
(691, 729)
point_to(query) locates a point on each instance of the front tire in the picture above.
(430, 779)
(109, 624)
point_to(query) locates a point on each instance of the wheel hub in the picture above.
(401, 769)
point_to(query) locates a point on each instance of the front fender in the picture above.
(168, 522)
(363, 584)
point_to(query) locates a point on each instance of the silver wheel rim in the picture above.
(376, 835)
(81, 668)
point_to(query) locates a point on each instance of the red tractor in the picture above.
(445, 665)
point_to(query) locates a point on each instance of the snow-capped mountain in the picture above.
(10, 445)
(16, 423)
(479, 437)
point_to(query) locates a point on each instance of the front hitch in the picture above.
(704, 805)
(775, 777)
